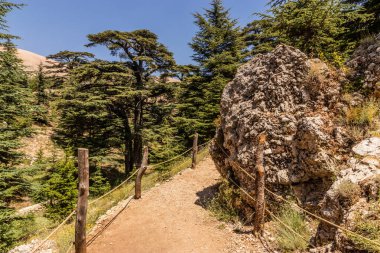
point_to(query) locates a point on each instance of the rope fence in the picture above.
(270, 213)
(235, 164)
(90, 203)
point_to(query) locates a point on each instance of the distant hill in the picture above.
(32, 60)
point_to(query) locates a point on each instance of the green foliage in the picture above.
(115, 102)
(371, 7)
(14, 123)
(95, 89)
(62, 63)
(318, 28)
(13, 185)
(224, 204)
(218, 49)
(287, 241)
(13, 228)
(163, 141)
(368, 227)
(98, 183)
(39, 108)
(14, 110)
(59, 189)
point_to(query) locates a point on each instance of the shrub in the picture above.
(286, 240)
(348, 192)
(12, 228)
(368, 228)
(363, 115)
(60, 189)
(98, 183)
(223, 204)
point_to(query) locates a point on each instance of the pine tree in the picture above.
(59, 189)
(98, 183)
(63, 62)
(318, 28)
(14, 110)
(218, 45)
(99, 99)
(14, 93)
(371, 7)
(14, 123)
(218, 49)
(144, 56)
(41, 86)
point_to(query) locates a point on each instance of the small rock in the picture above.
(368, 147)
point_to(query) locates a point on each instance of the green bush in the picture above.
(59, 189)
(98, 183)
(12, 228)
(287, 240)
(224, 204)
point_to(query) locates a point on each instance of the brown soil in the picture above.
(171, 218)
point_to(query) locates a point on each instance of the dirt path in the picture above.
(170, 219)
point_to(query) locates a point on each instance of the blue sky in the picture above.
(49, 26)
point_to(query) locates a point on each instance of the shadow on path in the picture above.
(206, 195)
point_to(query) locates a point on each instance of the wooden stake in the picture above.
(144, 166)
(195, 151)
(260, 185)
(83, 191)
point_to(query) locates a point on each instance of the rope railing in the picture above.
(114, 189)
(297, 206)
(108, 193)
(54, 231)
(271, 213)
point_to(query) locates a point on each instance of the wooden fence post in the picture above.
(83, 191)
(144, 166)
(195, 151)
(260, 185)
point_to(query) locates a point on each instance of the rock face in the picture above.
(365, 63)
(362, 173)
(296, 101)
(292, 99)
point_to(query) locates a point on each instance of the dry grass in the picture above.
(348, 192)
(286, 240)
(364, 115)
(368, 227)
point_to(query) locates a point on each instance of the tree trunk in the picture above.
(128, 152)
(83, 191)
(260, 185)
(138, 125)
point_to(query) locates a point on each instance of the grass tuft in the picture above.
(364, 115)
(223, 204)
(369, 228)
(286, 240)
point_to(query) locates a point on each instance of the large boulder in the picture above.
(293, 100)
(365, 64)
